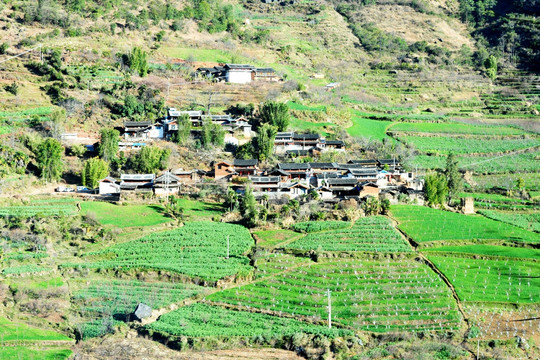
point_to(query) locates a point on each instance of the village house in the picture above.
(238, 73)
(137, 130)
(303, 144)
(225, 170)
(265, 183)
(108, 186)
(296, 171)
(166, 184)
(343, 187)
(369, 189)
(136, 182)
(188, 176)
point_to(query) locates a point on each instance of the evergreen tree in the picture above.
(184, 130)
(453, 176)
(49, 159)
(435, 189)
(264, 141)
(276, 114)
(108, 146)
(94, 170)
(249, 208)
(149, 159)
(137, 61)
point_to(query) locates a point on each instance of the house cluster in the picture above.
(137, 133)
(354, 179)
(294, 144)
(238, 73)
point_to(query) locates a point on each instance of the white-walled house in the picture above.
(238, 73)
(108, 186)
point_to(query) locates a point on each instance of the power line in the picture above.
(27, 51)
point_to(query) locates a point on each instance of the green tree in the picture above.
(184, 130)
(94, 170)
(49, 159)
(249, 208)
(212, 134)
(435, 189)
(149, 159)
(371, 206)
(231, 199)
(385, 206)
(108, 146)
(78, 150)
(173, 208)
(263, 143)
(520, 184)
(453, 176)
(491, 67)
(137, 61)
(276, 114)
(3, 48)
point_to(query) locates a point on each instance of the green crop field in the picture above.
(455, 128)
(198, 249)
(315, 226)
(366, 294)
(200, 320)
(374, 233)
(424, 224)
(199, 210)
(490, 250)
(269, 264)
(120, 297)
(26, 353)
(525, 162)
(469, 145)
(374, 129)
(272, 238)
(528, 221)
(125, 216)
(45, 207)
(15, 331)
(24, 269)
(483, 280)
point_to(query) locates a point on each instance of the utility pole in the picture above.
(227, 246)
(329, 310)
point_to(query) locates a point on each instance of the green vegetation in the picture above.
(442, 145)
(125, 216)
(46, 207)
(454, 128)
(200, 210)
(198, 249)
(272, 238)
(24, 269)
(203, 320)
(93, 171)
(373, 129)
(491, 250)
(525, 221)
(503, 280)
(119, 298)
(271, 264)
(149, 160)
(373, 233)
(49, 159)
(372, 295)
(314, 226)
(15, 331)
(27, 353)
(425, 224)
(275, 114)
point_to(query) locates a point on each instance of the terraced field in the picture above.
(371, 234)
(45, 207)
(366, 294)
(198, 249)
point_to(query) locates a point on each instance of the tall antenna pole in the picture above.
(329, 310)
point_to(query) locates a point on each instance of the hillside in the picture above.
(229, 268)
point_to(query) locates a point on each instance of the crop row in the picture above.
(121, 297)
(200, 320)
(525, 162)
(425, 224)
(46, 210)
(488, 280)
(526, 221)
(314, 226)
(374, 233)
(198, 249)
(455, 128)
(371, 295)
(439, 144)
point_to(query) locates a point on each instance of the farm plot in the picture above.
(52, 207)
(425, 224)
(200, 320)
(454, 128)
(469, 145)
(490, 250)
(119, 298)
(374, 233)
(491, 280)
(272, 238)
(198, 249)
(522, 162)
(272, 263)
(527, 221)
(125, 216)
(371, 295)
(314, 226)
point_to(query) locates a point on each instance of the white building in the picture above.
(108, 186)
(238, 74)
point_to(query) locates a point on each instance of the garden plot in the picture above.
(380, 296)
(373, 234)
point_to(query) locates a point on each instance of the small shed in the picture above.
(142, 311)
